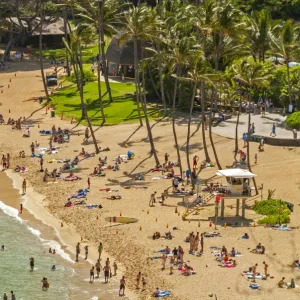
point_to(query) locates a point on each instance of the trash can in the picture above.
(52, 113)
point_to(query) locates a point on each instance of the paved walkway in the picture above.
(263, 126)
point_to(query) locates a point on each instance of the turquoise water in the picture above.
(22, 242)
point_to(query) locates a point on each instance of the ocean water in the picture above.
(22, 242)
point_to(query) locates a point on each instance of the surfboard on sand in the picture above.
(120, 220)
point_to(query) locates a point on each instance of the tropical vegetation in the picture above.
(218, 52)
(275, 212)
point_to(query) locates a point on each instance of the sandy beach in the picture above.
(131, 245)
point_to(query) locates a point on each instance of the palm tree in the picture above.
(250, 75)
(104, 15)
(260, 27)
(179, 53)
(196, 75)
(74, 49)
(138, 26)
(41, 49)
(162, 89)
(144, 106)
(285, 44)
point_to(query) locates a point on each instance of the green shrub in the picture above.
(271, 207)
(88, 75)
(275, 219)
(293, 120)
(276, 212)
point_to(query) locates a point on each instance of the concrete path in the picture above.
(263, 126)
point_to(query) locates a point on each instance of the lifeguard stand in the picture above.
(238, 186)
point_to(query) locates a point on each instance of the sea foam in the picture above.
(14, 213)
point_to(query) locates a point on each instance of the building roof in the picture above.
(50, 26)
(236, 173)
(121, 55)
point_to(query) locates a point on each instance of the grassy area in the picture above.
(122, 109)
(60, 53)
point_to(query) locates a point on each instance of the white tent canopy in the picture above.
(235, 173)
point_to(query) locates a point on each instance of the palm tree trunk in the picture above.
(137, 81)
(236, 130)
(41, 53)
(289, 82)
(248, 149)
(161, 80)
(189, 127)
(98, 68)
(79, 61)
(152, 81)
(207, 158)
(144, 106)
(210, 132)
(173, 119)
(104, 62)
(66, 38)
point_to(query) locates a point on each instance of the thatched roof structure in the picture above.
(50, 26)
(121, 55)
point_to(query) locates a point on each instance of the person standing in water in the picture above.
(92, 274)
(98, 267)
(13, 296)
(86, 250)
(5, 296)
(106, 272)
(100, 249)
(31, 263)
(122, 286)
(77, 251)
(24, 187)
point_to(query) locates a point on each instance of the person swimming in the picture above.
(53, 268)
(2, 248)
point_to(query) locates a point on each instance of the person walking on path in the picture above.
(273, 132)
(255, 158)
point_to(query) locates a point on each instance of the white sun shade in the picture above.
(236, 173)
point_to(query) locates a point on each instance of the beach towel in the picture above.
(212, 234)
(38, 155)
(45, 131)
(72, 178)
(250, 275)
(254, 286)
(282, 227)
(163, 294)
(91, 206)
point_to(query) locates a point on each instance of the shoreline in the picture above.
(34, 210)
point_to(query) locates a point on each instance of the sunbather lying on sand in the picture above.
(117, 197)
